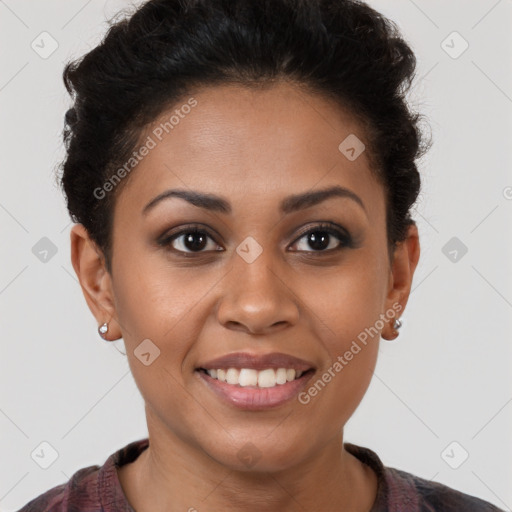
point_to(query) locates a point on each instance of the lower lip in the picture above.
(253, 398)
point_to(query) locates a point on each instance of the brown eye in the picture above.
(322, 238)
(189, 241)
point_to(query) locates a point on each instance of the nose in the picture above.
(256, 297)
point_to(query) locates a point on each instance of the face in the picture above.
(258, 277)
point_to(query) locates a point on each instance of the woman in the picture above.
(241, 175)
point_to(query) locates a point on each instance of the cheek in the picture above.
(349, 301)
(159, 312)
(155, 298)
(350, 338)
(347, 309)
(159, 324)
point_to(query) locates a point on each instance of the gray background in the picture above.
(446, 379)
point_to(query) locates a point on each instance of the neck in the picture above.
(171, 475)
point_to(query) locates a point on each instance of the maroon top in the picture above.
(97, 489)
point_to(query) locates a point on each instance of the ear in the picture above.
(89, 264)
(405, 259)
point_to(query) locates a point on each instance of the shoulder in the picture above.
(433, 496)
(92, 488)
(399, 490)
(78, 494)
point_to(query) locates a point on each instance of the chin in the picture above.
(258, 455)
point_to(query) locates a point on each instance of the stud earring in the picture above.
(394, 333)
(102, 330)
(396, 325)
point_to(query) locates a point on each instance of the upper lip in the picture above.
(257, 362)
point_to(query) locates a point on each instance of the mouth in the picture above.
(249, 377)
(253, 382)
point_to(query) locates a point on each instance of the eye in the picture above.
(320, 239)
(189, 241)
(195, 240)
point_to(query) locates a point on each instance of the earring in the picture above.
(102, 330)
(396, 325)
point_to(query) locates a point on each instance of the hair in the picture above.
(152, 58)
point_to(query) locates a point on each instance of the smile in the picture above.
(245, 377)
(253, 381)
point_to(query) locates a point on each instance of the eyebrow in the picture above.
(288, 205)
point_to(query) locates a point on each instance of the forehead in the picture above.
(252, 145)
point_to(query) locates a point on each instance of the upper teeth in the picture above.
(248, 377)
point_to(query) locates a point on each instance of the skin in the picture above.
(252, 147)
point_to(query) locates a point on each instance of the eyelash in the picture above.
(344, 238)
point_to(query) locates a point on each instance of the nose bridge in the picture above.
(254, 272)
(258, 276)
(255, 296)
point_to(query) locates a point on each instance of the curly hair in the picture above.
(150, 59)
